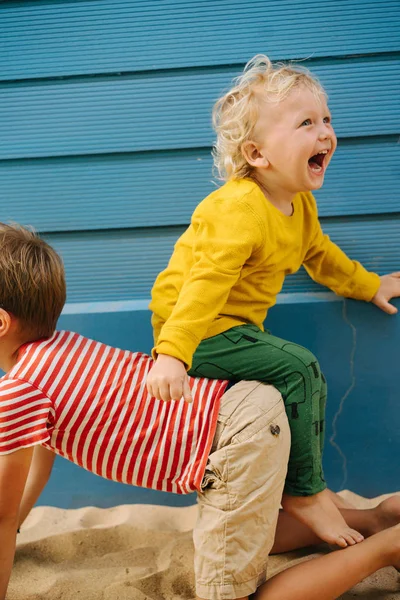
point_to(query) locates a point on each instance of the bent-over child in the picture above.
(274, 143)
(86, 401)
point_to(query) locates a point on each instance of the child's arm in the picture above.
(223, 239)
(14, 469)
(39, 473)
(326, 263)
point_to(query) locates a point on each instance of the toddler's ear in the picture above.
(254, 155)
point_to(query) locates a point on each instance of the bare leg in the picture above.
(323, 517)
(291, 534)
(327, 577)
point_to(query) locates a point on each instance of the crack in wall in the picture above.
(332, 439)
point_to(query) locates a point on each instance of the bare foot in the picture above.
(386, 514)
(321, 515)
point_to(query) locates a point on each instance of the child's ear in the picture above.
(5, 322)
(254, 155)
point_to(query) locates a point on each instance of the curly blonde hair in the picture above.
(235, 114)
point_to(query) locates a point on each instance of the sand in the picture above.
(134, 552)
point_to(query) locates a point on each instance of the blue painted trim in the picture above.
(85, 308)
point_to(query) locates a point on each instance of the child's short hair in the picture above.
(236, 113)
(32, 281)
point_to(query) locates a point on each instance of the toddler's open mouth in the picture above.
(316, 162)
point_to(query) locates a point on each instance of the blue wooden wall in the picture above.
(105, 142)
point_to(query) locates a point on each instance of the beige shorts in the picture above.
(241, 492)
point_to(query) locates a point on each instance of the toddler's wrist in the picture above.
(168, 358)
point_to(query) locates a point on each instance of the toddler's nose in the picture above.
(325, 132)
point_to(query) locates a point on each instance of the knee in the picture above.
(303, 360)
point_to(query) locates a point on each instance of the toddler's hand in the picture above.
(168, 380)
(389, 288)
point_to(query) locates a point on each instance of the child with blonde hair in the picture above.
(274, 143)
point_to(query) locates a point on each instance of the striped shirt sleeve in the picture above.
(24, 413)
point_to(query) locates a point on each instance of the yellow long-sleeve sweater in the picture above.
(231, 262)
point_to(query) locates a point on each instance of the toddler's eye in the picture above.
(327, 119)
(305, 123)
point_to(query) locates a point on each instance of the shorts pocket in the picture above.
(267, 421)
(215, 475)
(210, 481)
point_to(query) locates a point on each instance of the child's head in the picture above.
(32, 282)
(264, 98)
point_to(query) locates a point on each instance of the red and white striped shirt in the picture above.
(88, 402)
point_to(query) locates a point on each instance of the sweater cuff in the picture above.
(179, 345)
(367, 287)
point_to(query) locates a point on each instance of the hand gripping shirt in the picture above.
(88, 402)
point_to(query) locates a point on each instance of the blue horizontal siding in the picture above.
(170, 111)
(123, 264)
(116, 191)
(42, 39)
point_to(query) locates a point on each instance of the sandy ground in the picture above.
(132, 552)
